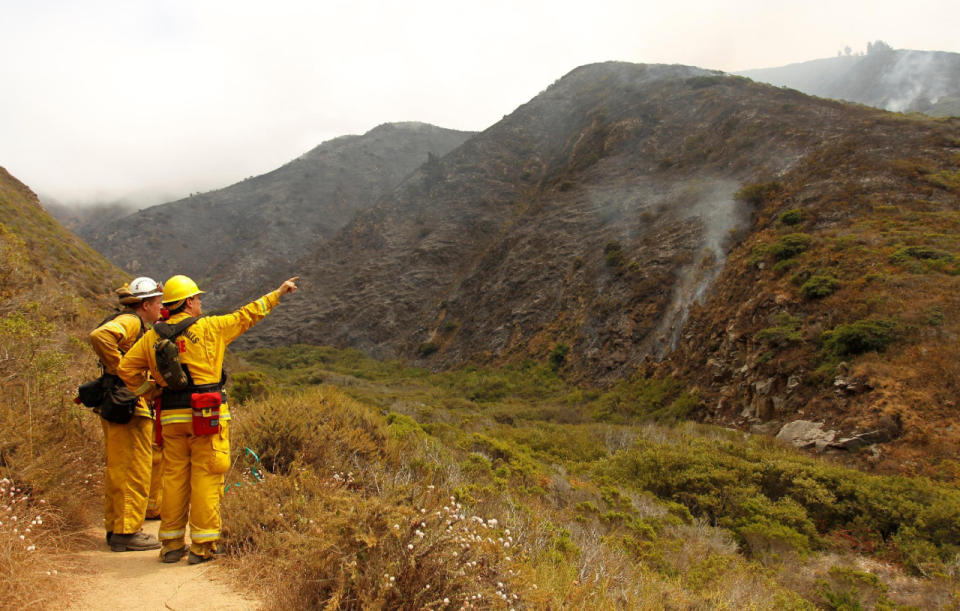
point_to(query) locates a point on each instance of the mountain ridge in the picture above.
(237, 239)
(899, 80)
(538, 177)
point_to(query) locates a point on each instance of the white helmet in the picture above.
(144, 287)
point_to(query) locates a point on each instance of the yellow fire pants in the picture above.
(127, 479)
(193, 468)
(156, 483)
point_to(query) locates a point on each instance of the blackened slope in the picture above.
(510, 245)
(238, 239)
(378, 284)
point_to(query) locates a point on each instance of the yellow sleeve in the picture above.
(235, 324)
(135, 364)
(110, 338)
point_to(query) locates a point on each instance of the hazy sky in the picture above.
(102, 99)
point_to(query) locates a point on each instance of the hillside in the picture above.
(505, 236)
(584, 225)
(235, 239)
(899, 80)
(841, 305)
(39, 255)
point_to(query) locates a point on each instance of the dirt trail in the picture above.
(138, 580)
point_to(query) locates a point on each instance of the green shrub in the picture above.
(792, 217)
(757, 193)
(776, 501)
(789, 246)
(847, 588)
(945, 179)
(426, 349)
(819, 286)
(613, 254)
(934, 316)
(926, 253)
(320, 425)
(839, 599)
(916, 552)
(526, 380)
(786, 330)
(403, 427)
(765, 538)
(640, 398)
(249, 384)
(866, 335)
(783, 266)
(558, 356)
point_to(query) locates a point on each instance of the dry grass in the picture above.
(50, 450)
(50, 455)
(353, 523)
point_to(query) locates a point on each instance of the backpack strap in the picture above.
(110, 317)
(168, 331)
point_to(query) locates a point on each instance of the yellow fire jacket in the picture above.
(111, 340)
(202, 349)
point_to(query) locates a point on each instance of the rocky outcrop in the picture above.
(806, 434)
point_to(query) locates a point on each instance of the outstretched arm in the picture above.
(235, 324)
(288, 286)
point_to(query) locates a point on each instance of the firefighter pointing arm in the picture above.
(194, 416)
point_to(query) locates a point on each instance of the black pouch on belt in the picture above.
(91, 393)
(118, 401)
(206, 412)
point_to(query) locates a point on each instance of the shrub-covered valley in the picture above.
(589, 322)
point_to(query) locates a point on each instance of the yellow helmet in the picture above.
(179, 288)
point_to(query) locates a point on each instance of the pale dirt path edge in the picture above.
(138, 580)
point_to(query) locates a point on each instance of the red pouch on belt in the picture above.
(157, 426)
(206, 412)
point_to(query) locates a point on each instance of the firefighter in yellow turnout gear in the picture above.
(129, 452)
(196, 450)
